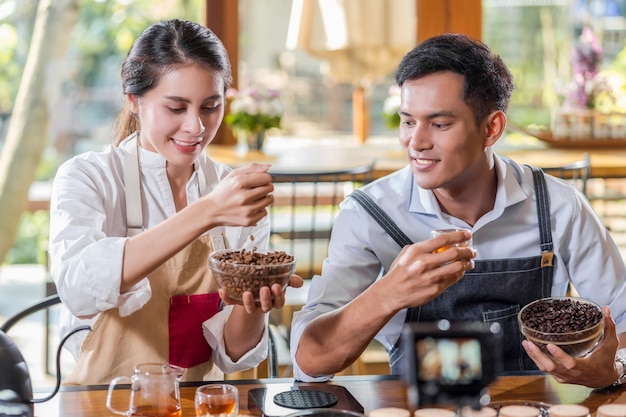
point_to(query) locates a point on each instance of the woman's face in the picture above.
(180, 116)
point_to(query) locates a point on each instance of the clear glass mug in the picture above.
(154, 391)
(439, 232)
(217, 400)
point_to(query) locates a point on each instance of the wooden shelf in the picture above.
(546, 136)
(582, 143)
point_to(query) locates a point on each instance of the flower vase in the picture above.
(250, 141)
(255, 140)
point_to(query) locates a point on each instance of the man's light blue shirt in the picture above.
(360, 251)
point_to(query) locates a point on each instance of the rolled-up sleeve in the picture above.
(213, 328)
(214, 334)
(85, 253)
(346, 272)
(593, 261)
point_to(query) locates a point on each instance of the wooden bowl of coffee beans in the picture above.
(574, 324)
(241, 270)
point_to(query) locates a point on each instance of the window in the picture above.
(535, 39)
(85, 91)
(318, 77)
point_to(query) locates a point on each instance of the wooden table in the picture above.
(289, 155)
(371, 392)
(302, 155)
(605, 163)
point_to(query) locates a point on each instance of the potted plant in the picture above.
(391, 106)
(252, 112)
(580, 116)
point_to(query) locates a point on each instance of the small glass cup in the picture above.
(439, 232)
(469, 411)
(568, 410)
(519, 411)
(611, 410)
(434, 412)
(217, 400)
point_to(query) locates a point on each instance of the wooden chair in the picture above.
(304, 211)
(301, 220)
(41, 305)
(44, 305)
(577, 172)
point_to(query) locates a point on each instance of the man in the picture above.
(454, 94)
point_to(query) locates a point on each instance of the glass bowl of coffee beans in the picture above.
(241, 270)
(574, 324)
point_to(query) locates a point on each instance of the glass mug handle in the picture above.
(112, 385)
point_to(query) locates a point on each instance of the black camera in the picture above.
(451, 363)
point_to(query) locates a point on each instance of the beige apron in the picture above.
(116, 344)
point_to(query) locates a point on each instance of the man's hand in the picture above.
(419, 273)
(595, 370)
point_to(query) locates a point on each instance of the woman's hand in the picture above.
(269, 298)
(241, 198)
(596, 370)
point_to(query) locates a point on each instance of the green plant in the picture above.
(32, 239)
(254, 110)
(391, 106)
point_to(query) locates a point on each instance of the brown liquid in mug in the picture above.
(227, 407)
(150, 411)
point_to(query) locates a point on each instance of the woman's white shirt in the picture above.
(88, 234)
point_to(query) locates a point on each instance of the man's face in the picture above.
(446, 149)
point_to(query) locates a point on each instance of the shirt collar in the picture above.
(509, 191)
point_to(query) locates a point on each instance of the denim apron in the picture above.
(494, 291)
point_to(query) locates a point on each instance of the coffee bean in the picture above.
(238, 271)
(560, 316)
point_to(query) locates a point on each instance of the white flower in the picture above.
(245, 104)
(254, 109)
(391, 104)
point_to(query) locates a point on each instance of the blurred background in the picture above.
(316, 78)
(332, 61)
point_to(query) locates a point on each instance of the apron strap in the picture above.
(545, 230)
(543, 210)
(132, 181)
(543, 214)
(381, 217)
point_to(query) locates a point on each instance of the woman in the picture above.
(132, 227)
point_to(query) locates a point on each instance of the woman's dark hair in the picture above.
(488, 82)
(160, 48)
